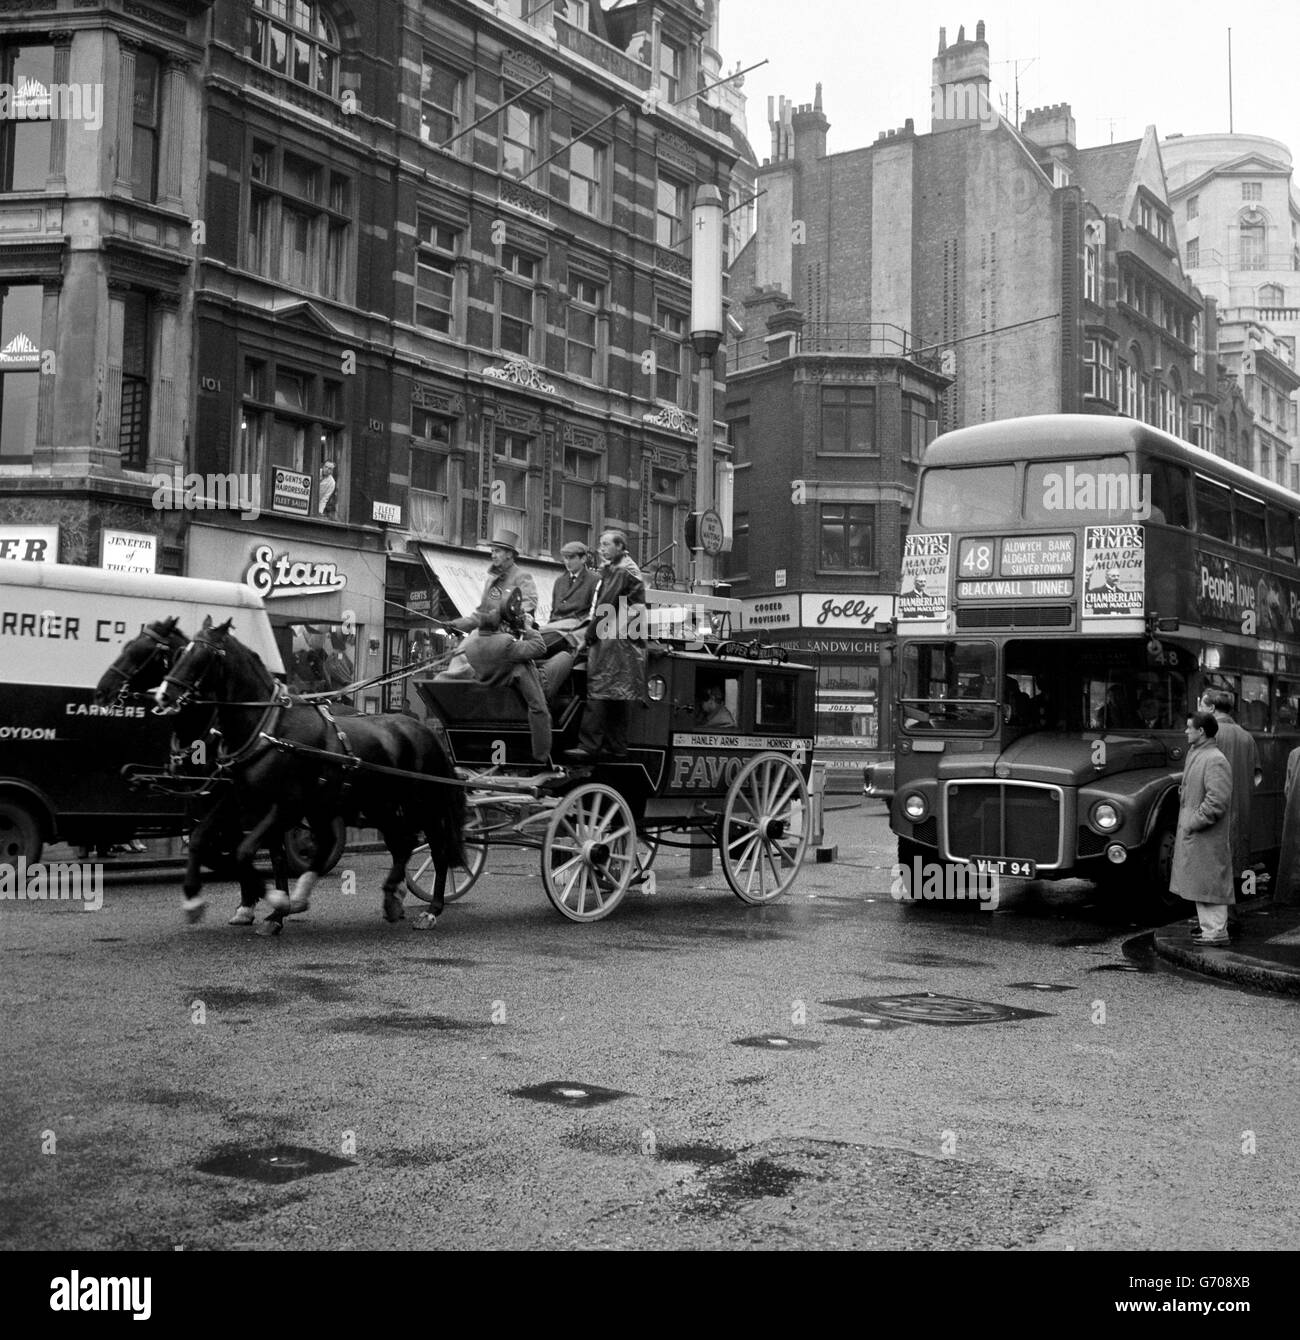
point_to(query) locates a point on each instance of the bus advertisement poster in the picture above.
(1114, 577)
(926, 564)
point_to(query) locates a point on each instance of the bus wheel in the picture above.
(1142, 881)
(20, 833)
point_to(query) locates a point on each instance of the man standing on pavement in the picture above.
(1202, 871)
(1239, 748)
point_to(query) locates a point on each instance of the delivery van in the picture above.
(61, 754)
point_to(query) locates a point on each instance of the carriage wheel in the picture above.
(765, 828)
(420, 872)
(589, 853)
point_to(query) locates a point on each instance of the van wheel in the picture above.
(20, 833)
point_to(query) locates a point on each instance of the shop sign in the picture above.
(831, 646)
(30, 544)
(128, 551)
(20, 354)
(770, 612)
(274, 575)
(291, 492)
(840, 610)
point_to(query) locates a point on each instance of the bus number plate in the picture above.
(1010, 866)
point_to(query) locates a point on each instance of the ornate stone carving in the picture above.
(518, 196)
(672, 263)
(673, 419)
(438, 401)
(521, 373)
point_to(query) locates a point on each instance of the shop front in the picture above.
(326, 604)
(836, 632)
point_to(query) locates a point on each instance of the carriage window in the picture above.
(717, 705)
(1213, 510)
(775, 703)
(1169, 496)
(1250, 525)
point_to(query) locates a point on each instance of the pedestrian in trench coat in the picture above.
(1202, 865)
(1288, 861)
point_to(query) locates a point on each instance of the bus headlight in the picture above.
(1105, 817)
(915, 807)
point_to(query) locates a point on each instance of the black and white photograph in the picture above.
(660, 626)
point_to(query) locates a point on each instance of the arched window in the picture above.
(297, 39)
(1272, 295)
(1253, 240)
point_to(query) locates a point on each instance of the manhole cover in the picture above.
(924, 1007)
(274, 1163)
(868, 1021)
(1041, 986)
(569, 1093)
(774, 1042)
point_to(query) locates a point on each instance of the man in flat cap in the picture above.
(571, 596)
(504, 576)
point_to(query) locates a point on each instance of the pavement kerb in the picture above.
(1251, 960)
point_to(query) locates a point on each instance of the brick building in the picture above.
(923, 283)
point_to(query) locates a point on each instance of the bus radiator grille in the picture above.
(1090, 843)
(1004, 819)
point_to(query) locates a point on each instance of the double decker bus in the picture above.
(1070, 586)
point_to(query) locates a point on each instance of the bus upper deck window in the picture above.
(1213, 510)
(970, 496)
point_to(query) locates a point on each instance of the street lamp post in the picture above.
(706, 336)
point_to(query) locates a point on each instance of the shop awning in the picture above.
(462, 574)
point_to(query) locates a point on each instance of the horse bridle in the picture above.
(189, 688)
(160, 648)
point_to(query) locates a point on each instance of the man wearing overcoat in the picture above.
(1202, 865)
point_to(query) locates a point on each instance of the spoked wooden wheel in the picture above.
(765, 828)
(589, 853)
(420, 872)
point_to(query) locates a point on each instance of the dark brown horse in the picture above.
(136, 674)
(290, 761)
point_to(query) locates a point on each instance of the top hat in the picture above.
(574, 549)
(506, 539)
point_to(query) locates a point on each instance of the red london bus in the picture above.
(1070, 585)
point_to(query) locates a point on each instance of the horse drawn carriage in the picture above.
(738, 784)
(719, 755)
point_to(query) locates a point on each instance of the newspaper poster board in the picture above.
(1114, 579)
(927, 562)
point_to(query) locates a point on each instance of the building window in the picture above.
(1265, 404)
(295, 38)
(915, 428)
(1252, 246)
(1099, 370)
(431, 439)
(1193, 253)
(1146, 216)
(587, 178)
(1091, 266)
(581, 471)
(670, 356)
(664, 500)
(738, 436)
(27, 71)
(848, 535)
(582, 327)
(510, 482)
(291, 428)
(1252, 190)
(1272, 295)
(670, 70)
(521, 139)
(515, 302)
(672, 200)
(848, 420)
(442, 95)
(1165, 401)
(1144, 398)
(435, 275)
(1128, 389)
(298, 221)
(144, 144)
(1193, 206)
(20, 369)
(134, 418)
(738, 563)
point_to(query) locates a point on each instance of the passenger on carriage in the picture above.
(571, 598)
(504, 576)
(501, 652)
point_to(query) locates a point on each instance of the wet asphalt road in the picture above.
(1137, 1109)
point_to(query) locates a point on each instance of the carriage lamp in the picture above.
(1105, 817)
(656, 687)
(914, 806)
